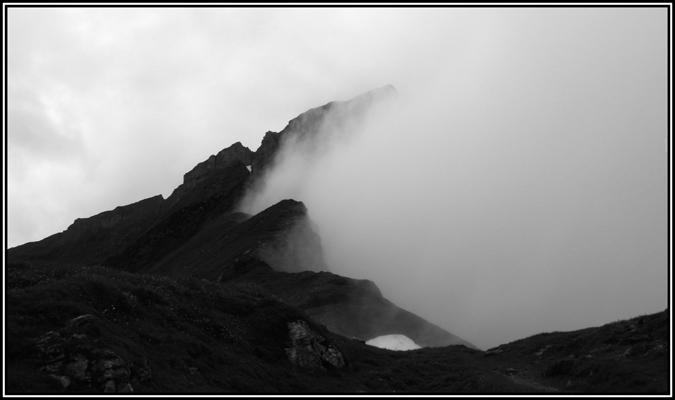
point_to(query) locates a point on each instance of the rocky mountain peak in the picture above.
(197, 231)
(218, 162)
(314, 125)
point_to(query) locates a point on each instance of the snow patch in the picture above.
(249, 168)
(393, 342)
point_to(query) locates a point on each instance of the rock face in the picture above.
(110, 234)
(295, 250)
(222, 160)
(94, 239)
(70, 357)
(288, 242)
(310, 350)
(266, 152)
(197, 232)
(311, 127)
(213, 243)
(108, 219)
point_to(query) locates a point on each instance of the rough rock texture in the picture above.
(297, 249)
(222, 160)
(310, 128)
(114, 236)
(241, 333)
(197, 232)
(282, 234)
(219, 184)
(310, 350)
(266, 152)
(187, 214)
(71, 357)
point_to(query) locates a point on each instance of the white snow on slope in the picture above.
(393, 342)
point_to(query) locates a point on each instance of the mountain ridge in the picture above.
(190, 294)
(197, 231)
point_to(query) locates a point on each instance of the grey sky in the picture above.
(523, 178)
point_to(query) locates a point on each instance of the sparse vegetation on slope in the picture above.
(189, 295)
(187, 335)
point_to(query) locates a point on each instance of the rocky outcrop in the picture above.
(309, 350)
(198, 231)
(218, 162)
(71, 358)
(266, 152)
(280, 237)
(111, 234)
(311, 127)
(297, 250)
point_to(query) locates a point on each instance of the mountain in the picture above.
(198, 232)
(190, 293)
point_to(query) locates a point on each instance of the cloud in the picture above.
(522, 175)
(507, 195)
(42, 127)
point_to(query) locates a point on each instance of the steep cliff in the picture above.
(218, 162)
(196, 232)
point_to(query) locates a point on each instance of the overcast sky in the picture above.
(523, 178)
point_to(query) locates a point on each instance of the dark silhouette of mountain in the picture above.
(188, 294)
(197, 232)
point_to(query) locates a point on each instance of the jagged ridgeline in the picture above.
(198, 232)
(197, 293)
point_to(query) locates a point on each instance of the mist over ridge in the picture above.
(480, 227)
(457, 175)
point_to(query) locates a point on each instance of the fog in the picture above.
(493, 228)
(492, 219)
(518, 183)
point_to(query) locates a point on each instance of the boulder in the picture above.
(69, 358)
(310, 350)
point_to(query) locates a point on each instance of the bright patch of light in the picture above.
(393, 342)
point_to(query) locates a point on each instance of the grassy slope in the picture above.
(625, 356)
(235, 336)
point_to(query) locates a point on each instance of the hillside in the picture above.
(190, 294)
(72, 329)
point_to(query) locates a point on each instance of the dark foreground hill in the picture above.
(189, 294)
(72, 329)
